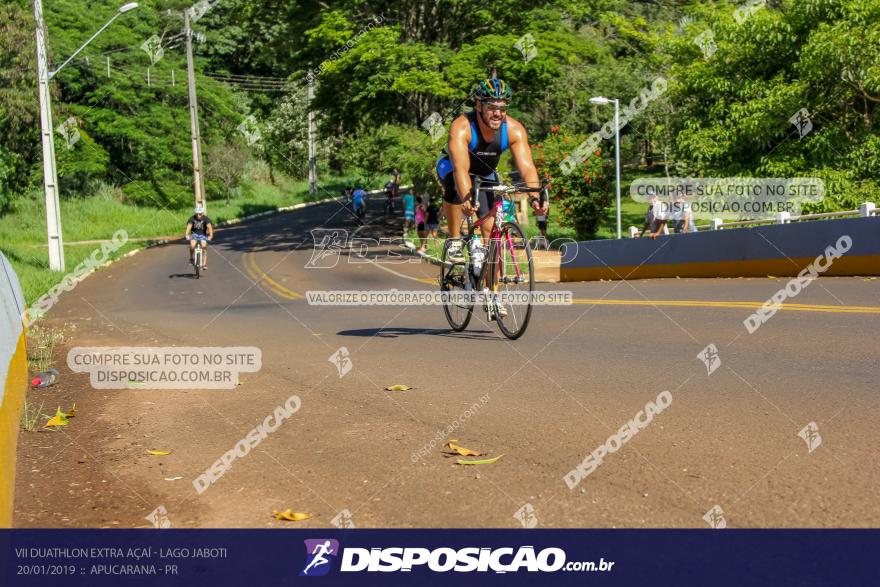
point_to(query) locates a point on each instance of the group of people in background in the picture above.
(422, 213)
(661, 216)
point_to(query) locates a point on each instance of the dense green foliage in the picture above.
(381, 69)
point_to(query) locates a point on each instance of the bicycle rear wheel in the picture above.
(455, 279)
(511, 274)
(197, 260)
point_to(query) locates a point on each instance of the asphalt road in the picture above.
(544, 402)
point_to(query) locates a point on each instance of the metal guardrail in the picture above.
(868, 209)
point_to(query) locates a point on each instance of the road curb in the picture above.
(411, 247)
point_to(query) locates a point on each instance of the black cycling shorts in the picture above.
(484, 199)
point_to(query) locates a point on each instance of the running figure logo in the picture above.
(317, 552)
(328, 245)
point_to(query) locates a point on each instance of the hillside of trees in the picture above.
(736, 73)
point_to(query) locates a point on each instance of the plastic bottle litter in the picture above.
(45, 378)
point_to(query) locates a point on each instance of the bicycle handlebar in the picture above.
(502, 188)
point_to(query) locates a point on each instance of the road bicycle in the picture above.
(505, 278)
(197, 253)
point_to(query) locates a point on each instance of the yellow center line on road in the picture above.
(261, 277)
(740, 305)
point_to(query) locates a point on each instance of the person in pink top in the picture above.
(421, 216)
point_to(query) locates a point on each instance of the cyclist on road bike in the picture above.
(390, 194)
(476, 141)
(199, 230)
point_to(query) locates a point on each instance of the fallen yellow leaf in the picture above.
(290, 516)
(59, 419)
(465, 452)
(158, 453)
(480, 462)
(72, 412)
(398, 388)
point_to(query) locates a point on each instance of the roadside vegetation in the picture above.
(734, 80)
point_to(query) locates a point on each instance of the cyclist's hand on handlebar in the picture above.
(468, 207)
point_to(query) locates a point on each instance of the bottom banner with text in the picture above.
(439, 557)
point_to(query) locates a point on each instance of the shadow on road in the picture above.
(292, 231)
(396, 332)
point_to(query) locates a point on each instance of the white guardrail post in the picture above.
(783, 217)
(867, 209)
(717, 223)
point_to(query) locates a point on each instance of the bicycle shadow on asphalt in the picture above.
(396, 332)
(188, 275)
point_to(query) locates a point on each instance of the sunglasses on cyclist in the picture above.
(497, 107)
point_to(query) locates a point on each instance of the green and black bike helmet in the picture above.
(493, 89)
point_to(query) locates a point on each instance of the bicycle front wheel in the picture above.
(455, 279)
(511, 278)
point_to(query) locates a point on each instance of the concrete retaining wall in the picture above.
(13, 381)
(776, 249)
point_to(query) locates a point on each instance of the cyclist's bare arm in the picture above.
(210, 231)
(188, 230)
(522, 154)
(459, 139)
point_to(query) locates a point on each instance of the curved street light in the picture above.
(50, 174)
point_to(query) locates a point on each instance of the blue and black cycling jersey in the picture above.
(484, 155)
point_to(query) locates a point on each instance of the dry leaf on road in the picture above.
(59, 419)
(291, 516)
(462, 451)
(479, 462)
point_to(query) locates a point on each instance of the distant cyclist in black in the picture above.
(199, 230)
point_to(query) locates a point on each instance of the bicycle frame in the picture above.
(495, 234)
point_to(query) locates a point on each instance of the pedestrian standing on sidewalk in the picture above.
(421, 217)
(432, 223)
(409, 212)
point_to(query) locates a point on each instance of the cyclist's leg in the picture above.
(204, 244)
(192, 248)
(485, 207)
(451, 205)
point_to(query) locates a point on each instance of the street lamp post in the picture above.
(603, 100)
(50, 174)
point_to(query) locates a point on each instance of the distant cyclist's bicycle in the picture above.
(505, 277)
(197, 253)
